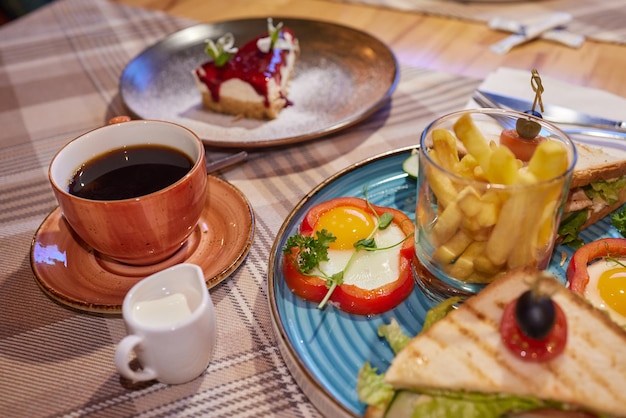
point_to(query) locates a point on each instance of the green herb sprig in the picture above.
(222, 50)
(273, 39)
(618, 220)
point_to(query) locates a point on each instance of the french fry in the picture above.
(442, 186)
(547, 224)
(479, 233)
(473, 140)
(444, 142)
(506, 232)
(489, 214)
(469, 201)
(466, 166)
(482, 209)
(503, 166)
(527, 227)
(448, 252)
(463, 267)
(549, 160)
(484, 266)
(448, 223)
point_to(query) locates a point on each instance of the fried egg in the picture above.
(607, 288)
(369, 269)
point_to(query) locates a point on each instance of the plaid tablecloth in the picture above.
(59, 72)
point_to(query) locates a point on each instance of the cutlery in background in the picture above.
(217, 165)
(552, 113)
(580, 131)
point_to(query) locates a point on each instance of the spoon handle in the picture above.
(217, 165)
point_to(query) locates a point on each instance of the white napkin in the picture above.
(601, 20)
(546, 26)
(516, 83)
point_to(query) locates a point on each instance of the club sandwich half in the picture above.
(460, 367)
(598, 188)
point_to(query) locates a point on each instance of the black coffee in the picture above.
(129, 172)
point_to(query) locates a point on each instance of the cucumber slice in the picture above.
(403, 404)
(411, 164)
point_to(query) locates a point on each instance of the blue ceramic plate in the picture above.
(324, 349)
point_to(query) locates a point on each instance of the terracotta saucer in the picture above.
(75, 275)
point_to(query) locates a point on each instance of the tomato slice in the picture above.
(530, 349)
(577, 274)
(520, 147)
(351, 298)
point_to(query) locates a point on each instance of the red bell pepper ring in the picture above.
(351, 298)
(577, 274)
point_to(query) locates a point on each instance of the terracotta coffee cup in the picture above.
(138, 230)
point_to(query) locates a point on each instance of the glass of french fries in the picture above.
(480, 210)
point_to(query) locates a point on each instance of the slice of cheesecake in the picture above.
(253, 82)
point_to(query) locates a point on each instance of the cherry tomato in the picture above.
(536, 350)
(351, 298)
(577, 274)
(521, 148)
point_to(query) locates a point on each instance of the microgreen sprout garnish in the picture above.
(222, 50)
(611, 257)
(310, 252)
(273, 40)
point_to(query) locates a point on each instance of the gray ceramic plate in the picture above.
(342, 76)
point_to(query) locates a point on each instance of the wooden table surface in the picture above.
(449, 45)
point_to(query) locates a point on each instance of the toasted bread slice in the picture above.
(464, 352)
(595, 163)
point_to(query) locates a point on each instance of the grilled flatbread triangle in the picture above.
(464, 352)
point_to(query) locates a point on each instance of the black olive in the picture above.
(534, 113)
(535, 314)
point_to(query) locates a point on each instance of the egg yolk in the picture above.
(612, 288)
(349, 224)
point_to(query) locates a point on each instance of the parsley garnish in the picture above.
(311, 251)
(618, 220)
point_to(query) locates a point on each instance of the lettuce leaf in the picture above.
(449, 404)
(437, 312)
(371, 387)
(394, 335)
(569, 228)
(608, 191)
